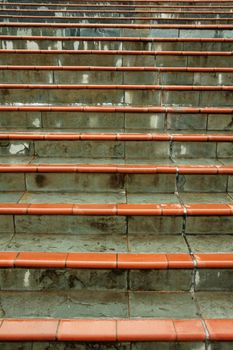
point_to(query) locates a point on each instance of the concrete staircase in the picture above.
(116, 175)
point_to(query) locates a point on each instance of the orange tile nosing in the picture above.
(116, 330)
(115, 168)
(117, 209)
(115, 109)
(116, 260)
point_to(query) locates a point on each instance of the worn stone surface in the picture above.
(162, 305)
(54, 242)
(214, 279)
(209, 225)
(62, 279)
(94, 149)
(72, 224)
(64, 304)
(63, 120)
(157, 243)
(186, 121)
(200, 183)
(211, 243)
(160, 279)
(215, 305)
(155, 225)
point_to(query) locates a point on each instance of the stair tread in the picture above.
(112, 304)
(54, 198)
(26, 160)
(87, 260)
(109, 243)
(167, 329)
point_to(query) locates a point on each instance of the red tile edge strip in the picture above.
(115, 109)
(119, 52)
(119, 87)
(115, 25)
(82, 260)
(117, 209)
(115, 168)
(116, 137)
(110, 330)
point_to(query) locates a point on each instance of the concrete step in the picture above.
(156, 6)
(172, 334)
(115, 272)
(136, 146)
(165, 334)
(118, 58)
(140, 20)
(117, 119)
(116, 75)
(121, 95)
(97, 178)
(118, 14)
(112, 30)
(52, 212)
(112, 305)
(69, 12)
(130, 45)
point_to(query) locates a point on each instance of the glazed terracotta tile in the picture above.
(41, 259)
(217, 260)
(138, 209)
(13, 208)
(189, 330)
(94, 209)
(207, 209)
(7, 259)
(87, 330)
(28, 330)
(48, 209)
(142, 261)
(179, 261)
(220, 329)
(145, 330)
(92, 260)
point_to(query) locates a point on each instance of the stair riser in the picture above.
(116, 21)
(130, 4)
(76, 44)
(133, 183)
(29, 279)
(110, 346)
(120, 346)
(119, 77)
(120, 32)
(116, 15)
(117, 149)
(116, 121)
(216, 8)
(116, 225)
(118, 97)
(115, 60)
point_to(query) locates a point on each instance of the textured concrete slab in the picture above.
(210, 197)
(211, 243)
(209, 225)
(151, 198)
(157, 280)
(64, 279)
(54, 242)
(215, 305)
(155, 225)
(162, 305)
(64, 304)
(157, 243)
(68, 224)
(71, 197)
